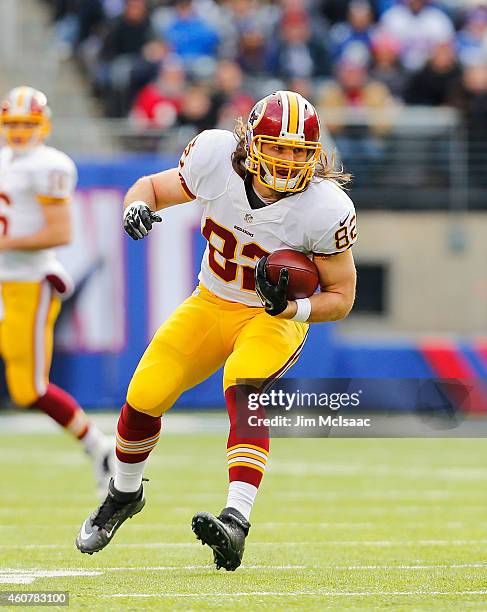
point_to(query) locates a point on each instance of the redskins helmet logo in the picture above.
(257, 113)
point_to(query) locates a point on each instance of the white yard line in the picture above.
(29, 576)
(51, 573)
(404, 567)
(299, 593)
(158, 568)
(155, 568)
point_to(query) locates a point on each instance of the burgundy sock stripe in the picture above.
(137, 447)
(260, 453)
(137, 434)
(247, 460)
(135, 451)
(248, 470)
(139, 441)
(251, 458)
(142, 451)
(247, 455)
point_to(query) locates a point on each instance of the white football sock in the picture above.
(241, 496)
(128, 476)
(94, 440)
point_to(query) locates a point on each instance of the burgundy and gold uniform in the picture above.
(36, 185)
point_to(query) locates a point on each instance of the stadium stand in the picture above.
(171, 68)
(25, 37)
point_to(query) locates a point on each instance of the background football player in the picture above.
(272, 189)
(36, 184)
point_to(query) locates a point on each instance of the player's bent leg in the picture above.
(264, 350)
(29, 316)
(186, 349)
(31, 311)
(247, 457)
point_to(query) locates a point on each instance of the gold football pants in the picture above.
(201, 335)
(26, 338)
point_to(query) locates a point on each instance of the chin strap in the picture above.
(281, 184)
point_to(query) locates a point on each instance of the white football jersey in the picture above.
(27, 182)
(318, 220)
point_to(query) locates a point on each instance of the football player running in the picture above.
(36, 184)
(272, 189)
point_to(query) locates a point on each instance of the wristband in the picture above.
(303, 310)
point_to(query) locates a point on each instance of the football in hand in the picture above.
(303, 274)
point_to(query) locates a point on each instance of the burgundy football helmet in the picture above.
(283, 119)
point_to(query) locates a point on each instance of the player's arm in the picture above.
(148, 195)
(337, 277)
(158, 191)
(337, 282)
(55, 232)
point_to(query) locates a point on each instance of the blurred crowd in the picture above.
(201, 63)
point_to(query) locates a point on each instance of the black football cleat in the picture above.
(225, 534)
(100, 527)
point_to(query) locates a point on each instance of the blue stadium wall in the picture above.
(99, 379)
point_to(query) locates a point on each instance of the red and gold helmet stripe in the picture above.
(293, 112)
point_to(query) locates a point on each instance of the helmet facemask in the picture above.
(25, 119)
(22, 134)
(282, 175)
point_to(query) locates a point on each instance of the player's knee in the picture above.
(154, 399)
(242, 373)
(22, 396)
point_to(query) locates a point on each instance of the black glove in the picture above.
(138, 219)
(273, 297)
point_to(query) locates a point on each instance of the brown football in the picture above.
(303, 274)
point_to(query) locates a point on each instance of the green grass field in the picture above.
(339, 524)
